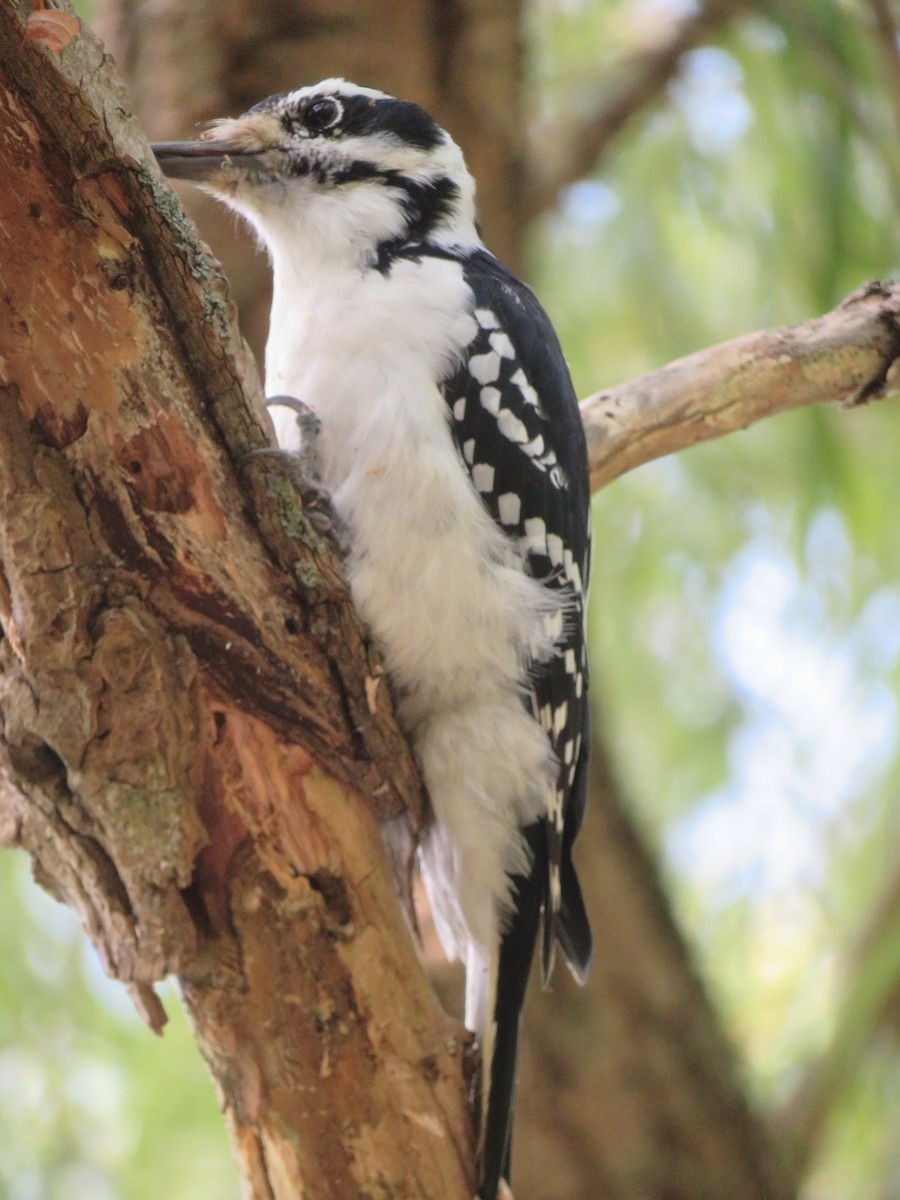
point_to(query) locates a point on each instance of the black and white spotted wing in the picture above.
(515, 419)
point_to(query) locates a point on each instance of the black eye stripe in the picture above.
(409, 124)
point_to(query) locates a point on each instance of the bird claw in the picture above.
(309, 426)
(316, 501)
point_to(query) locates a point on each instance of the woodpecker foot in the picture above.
(308, 425)
(316, 501)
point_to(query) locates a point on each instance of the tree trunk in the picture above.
(196, 739)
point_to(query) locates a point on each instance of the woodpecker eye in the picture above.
(322, 114)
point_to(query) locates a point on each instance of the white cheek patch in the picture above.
(383, 150)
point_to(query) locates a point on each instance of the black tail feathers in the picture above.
(568, 927)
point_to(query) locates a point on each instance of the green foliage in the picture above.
(92, 1106)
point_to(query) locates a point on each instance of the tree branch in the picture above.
(849, 355)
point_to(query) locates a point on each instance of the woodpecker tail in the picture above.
(495, 993)
(566, 922)
(495, 987)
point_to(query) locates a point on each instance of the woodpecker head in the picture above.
(334, 167)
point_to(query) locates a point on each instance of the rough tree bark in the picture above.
(196, 737)
(195, 740)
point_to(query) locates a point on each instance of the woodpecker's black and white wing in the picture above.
(515, 419)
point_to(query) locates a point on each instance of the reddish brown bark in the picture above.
(189, 749)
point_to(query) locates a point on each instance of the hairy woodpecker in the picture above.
(451, 443)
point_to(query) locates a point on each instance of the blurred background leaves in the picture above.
(91, 1104)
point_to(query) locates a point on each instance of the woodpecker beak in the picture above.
(200, 161)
